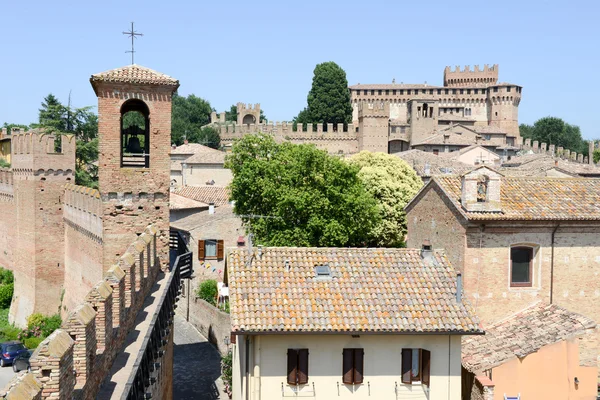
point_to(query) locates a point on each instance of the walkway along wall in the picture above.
(74, 360)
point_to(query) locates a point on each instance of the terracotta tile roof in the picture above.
(189, 148)
(524, 333)
(218, 195)
(370, 290)
(134, 74)
(539, 164)
(197, 154)
(489, 129)
(177, 202)
(534, 198)
(438, 165)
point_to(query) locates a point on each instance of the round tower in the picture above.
(503, 107)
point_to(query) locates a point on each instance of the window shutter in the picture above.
(348, 366)
(220, 249)
(425, 366)
(302, 366)
(406, 365)
(359, 355)
(201, 250)
(292, 364)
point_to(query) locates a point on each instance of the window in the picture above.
(387, 92)
(468, 91)
(393, 129)
(475, 91)
(394, 92)
(521, 259)
(372, 93)
(352, 366)
(297, 366)
(401, 91)
(430, 91)
(439, 91)
(508, 89)
(445, 91)
(423, 91)
(379, 92)
(403, 129)
(416, 364)
(495, 89)
(358, 92)
(482, 91)
(453, 91)
(462, 91)
(365, 92)
(210, 249)
(436, 151)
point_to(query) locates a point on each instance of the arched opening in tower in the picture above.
(249, 119)
(135, 134)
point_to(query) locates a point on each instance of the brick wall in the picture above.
(74, 360)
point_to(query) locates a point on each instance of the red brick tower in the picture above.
(40, 173)
(134, 133)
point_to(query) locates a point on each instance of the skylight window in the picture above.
(323, 271)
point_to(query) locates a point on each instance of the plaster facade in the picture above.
(382, 367)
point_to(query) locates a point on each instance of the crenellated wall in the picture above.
(82, 214)
(74, 360)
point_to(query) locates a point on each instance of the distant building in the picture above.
(194, 164)
(347, 323)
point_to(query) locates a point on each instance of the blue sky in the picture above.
(265, 51)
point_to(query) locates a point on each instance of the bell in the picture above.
(133, 145)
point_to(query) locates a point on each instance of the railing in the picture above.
(149, 363)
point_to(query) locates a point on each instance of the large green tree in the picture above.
(329, 97)
(297, 195)
(189, 115)
(552, 130)
(393, 183)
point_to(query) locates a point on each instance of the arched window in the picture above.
(482, 189)
(135, 134)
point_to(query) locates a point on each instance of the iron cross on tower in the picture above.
(132, 34)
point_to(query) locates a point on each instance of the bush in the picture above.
(41, 326)
(6, 276)
(34, 320)
(50, 324)
(33, 342)
(208, 291)
(226, 370)
(9, 333)
(6, 294)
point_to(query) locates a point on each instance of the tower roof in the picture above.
(135, 74)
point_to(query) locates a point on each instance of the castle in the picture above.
(471, 107)
(94, 256)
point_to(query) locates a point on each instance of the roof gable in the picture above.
(134, 74)
(370, 290)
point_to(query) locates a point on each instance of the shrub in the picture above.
(208, 291)
(226, 370)
(225, 306)
(9, 333)
(50, 324)
(6, 294)
(34, 320)
(6, 276)
(33, 342)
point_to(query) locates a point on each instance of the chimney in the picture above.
(426, 249)
(173, 146)
(260, 249)
(211, 208)
(185, 141)
(459, 287)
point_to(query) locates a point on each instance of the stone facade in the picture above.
(566, 253)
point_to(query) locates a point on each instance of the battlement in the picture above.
(467, 77)
(83, 209)
(6, 185)
(376, 110)
(74, 360)
(247, 107)
(35, 150)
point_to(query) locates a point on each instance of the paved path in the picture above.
(196, 365)
(6, 375)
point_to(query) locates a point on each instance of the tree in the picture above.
(10, 126)
(189, 115)
(596, 156)
(552, 130)
(207, 136)
(393, 183)
(329, 97)
(301, 195)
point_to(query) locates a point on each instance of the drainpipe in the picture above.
(256, 368)
(247, 367)
(552, 264)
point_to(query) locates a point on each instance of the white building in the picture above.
(347, 323)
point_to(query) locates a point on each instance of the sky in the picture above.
(265, 51)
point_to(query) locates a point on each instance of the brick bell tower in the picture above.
(134, 134)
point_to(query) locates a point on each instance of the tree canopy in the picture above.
(189, 115)
(301, 196)
(329, 97)
(552, 130)
(393, 183)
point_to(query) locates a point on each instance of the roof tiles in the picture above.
(526, 332)
(534, 198)
(218, 195)
(134, 74)
(370, 290)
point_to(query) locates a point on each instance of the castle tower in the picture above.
(134, 134)
(503, 108)
(248, 114)
(466, 78)
(423, 119)
(40, 172)
(373, 126)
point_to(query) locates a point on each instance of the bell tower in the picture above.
(134, 141)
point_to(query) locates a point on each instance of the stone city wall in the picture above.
(211, 322)
(74, 360)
